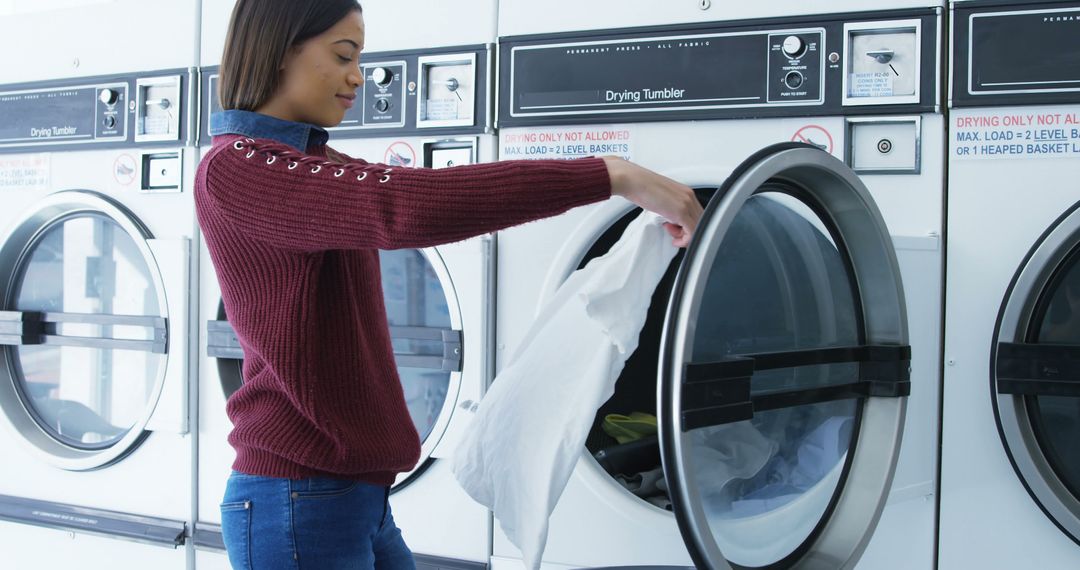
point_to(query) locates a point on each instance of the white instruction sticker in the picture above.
(25, 172)
(442, 109)
(874, 84)
(566, 142)
(1017, 133)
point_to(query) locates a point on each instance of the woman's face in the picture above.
(320, 77)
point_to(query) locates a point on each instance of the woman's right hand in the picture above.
(674, 202)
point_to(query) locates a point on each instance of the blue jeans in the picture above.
(270, 523)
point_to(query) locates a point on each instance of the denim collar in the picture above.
(259, 126)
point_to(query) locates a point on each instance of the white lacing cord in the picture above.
(338, 172)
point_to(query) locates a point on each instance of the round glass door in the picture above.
(427, 348)
(779, 284)
(1036, 374)
(90, 359)
(784, 367)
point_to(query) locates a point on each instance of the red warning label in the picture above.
(815, 135)
(124, 169)
(400, 153)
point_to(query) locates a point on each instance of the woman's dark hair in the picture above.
(260, 34)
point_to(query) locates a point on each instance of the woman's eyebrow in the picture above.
(354, 44)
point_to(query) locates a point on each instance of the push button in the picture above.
(793, 80)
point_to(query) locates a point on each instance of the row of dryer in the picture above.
(793, 356)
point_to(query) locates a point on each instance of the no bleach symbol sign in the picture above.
(815, 135)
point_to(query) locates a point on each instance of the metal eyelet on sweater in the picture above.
(271, 159)
(384, 179)
(249, 140)
(238, 145)
(339, 172)
(250, 153)
(315, 169)
(292, 165)
(362, 176)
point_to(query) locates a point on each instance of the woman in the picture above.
(293, 227)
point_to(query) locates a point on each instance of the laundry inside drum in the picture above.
(779, 283)
(623, 438)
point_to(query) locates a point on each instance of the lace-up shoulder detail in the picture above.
(290, 159)
(273, 193)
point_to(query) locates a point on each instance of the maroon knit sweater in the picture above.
(294, 239)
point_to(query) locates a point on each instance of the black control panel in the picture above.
(796, 64)
(1011, 53)
(766, 68)
(64, 114)
(387, 103)
(384, 96)
(591, 77)
(92, 112)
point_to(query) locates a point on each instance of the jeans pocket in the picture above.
(236, 533)
(334, 523)
(322, 487)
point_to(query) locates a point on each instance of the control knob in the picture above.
(109, 96)
(382, 76)
(794, 46)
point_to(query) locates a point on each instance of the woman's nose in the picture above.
(356, 79)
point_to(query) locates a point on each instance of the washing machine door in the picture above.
(92, 361)
(784, 368)
(426, 332)
(1035, 372)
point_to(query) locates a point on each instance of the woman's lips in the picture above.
(346, 101)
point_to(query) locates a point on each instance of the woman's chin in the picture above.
(332, 119)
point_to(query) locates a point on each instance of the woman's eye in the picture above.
(345, 59)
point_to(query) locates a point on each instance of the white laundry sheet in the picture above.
(530, 429)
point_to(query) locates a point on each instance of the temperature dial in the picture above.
(382, 76)
(382, 105)
(794, 46)
(109, 96)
